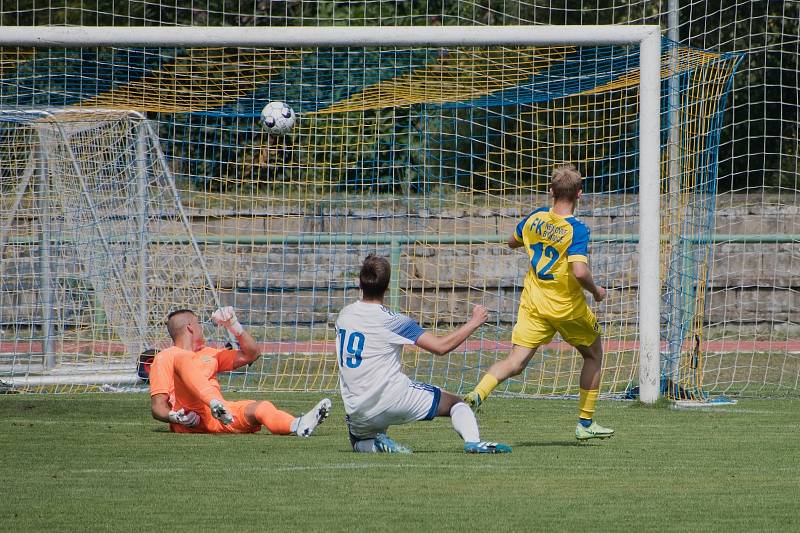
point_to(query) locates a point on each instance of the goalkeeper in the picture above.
(553, 300)
(376, 392)
(184, 390)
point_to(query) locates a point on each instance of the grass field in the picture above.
(99, 462)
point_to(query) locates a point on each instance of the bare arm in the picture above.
(248, 350)
(159, 407)
(162, 411)
(513, 242)
(447, 343)
(583, 274)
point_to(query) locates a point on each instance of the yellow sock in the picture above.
(486, 386)
(586, 403)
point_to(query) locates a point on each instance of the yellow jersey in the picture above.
(552, 242)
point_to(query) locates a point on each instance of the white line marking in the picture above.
(295, 468)
(37, 421)
(731, 409)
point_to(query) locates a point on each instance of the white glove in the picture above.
(184, 418)
(226, 317)
(220, 412)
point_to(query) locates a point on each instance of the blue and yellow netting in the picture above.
(403, 133)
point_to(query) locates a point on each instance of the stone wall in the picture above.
(305, 283)
(749, 283)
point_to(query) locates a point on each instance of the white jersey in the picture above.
(369, 342)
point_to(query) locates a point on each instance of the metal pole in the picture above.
(22, 186)
(394, 284)
(98, 228)
(717, 238)
(678, 248)
(184, 219)
(649, 217)
(45, 274)
(141, 179)
(189, 36)
(159, 155)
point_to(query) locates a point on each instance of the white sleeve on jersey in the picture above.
(401, 329)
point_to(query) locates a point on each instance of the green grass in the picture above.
(99, 462)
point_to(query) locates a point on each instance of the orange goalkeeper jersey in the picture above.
(207, 362)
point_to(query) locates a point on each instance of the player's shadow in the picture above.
(415, 452)
(543, 444)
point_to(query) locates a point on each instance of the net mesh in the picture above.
(430, 156)
(84, 288)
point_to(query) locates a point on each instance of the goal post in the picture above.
(94, 188)
(646, 37)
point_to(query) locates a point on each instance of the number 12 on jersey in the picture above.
(354, 343)
(550, 253)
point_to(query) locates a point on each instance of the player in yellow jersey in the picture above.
(553, 300)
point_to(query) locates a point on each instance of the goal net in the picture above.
(427, 155)
(95, 246)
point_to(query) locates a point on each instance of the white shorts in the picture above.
(420, 402)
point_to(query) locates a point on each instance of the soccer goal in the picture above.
(425, 144)
(85, 191)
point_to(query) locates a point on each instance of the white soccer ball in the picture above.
(277, 117)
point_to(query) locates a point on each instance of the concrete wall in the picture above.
(749, 283)
(296, 283)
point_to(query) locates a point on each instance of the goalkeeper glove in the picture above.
(226, 317)
(220, 412)
(184, 418)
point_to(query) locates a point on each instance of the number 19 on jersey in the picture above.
(350, 348)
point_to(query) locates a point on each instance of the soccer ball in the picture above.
(277, 117)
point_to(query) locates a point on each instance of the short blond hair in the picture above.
(566, 183)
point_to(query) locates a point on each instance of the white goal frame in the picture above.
(37, 177)
(646, 37)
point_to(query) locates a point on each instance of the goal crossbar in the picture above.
(88, 37)
(646, 37)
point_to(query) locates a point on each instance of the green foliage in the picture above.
(99, 462)
(761, 146)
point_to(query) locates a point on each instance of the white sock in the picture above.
(365, 446)
(463, 420)
(295, 423)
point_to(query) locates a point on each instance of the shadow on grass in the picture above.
(660, 403)
(415, 452)
(543, 444)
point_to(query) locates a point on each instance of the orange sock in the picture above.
(276, 421)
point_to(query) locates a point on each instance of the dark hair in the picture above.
(374, 276)
(174, 324)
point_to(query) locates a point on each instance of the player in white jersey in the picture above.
(376, 392)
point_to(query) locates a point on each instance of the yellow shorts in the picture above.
(533, 329)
